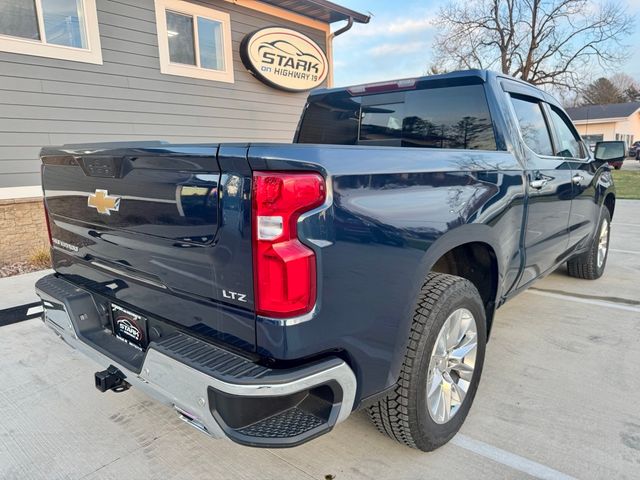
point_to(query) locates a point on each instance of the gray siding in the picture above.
(50, 102)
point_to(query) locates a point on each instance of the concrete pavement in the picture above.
(558, 399)
(19, 290)
(631, 164)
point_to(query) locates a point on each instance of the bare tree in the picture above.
(545, 42)
(622, 81)
(629, 87)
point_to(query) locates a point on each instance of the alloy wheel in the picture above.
(603, 243)
(452, 365)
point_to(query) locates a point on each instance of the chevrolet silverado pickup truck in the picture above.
(266, 291)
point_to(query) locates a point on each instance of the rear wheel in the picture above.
(442, 366)
(591, 264)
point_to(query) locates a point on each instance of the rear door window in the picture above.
(447, 117)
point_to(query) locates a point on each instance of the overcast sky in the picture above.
(397, 41)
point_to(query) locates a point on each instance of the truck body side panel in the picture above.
(390, 207)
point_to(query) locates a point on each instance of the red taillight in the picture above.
(46, 217)
(284, 268)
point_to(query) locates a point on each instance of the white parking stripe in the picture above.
(509, 459)
(34, 310)
(623, 251)
(588, 301)
(615, 224)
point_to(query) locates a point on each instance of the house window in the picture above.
(63, 29)
(194, 41)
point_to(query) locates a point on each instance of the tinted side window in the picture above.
(450, 117)
(568, 143)
(533, 126)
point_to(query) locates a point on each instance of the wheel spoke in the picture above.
(459, 353)
(464, 371)
(446, 401)
(436, 382)
(459, 392)
(452, 332)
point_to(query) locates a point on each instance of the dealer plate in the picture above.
(129, 327)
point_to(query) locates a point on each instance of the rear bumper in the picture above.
(215, 390)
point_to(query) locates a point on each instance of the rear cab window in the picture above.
(445, 117)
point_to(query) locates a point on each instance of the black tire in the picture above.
(586, 265)
(403, 414)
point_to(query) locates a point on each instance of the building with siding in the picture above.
(616, 121)
(76, 71)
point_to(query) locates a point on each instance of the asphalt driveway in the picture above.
(558, 399)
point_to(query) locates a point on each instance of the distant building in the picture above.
(617, 121)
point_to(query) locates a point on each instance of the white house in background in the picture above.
(616, 121)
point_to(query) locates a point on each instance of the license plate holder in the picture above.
(129, 327)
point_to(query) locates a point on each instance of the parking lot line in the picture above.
(624, 224)
(509, 459)
(617, 250)
(588, 301)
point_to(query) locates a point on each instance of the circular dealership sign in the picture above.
(284, 59)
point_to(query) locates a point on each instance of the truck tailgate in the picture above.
(150, 218)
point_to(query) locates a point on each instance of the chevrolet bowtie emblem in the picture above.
(103, 202)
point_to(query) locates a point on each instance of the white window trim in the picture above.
(91, 54)
(169, 68)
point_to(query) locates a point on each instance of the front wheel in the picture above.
(442, 366)
(591, 265)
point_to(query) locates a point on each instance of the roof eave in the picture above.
(601, 120)
(347, 12)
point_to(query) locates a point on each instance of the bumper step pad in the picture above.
(210, 359)
(290, 423)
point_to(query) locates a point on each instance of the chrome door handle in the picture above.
(539, 183)
(577, 179)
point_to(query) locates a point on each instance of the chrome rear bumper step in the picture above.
(215, 390)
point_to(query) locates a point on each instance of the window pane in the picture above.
(568, 146)
(450, 117)
(18, 19)
(331, 120)
(181, 44)
(64, 23)
(532, 125)
(210, 43)
(382, 123)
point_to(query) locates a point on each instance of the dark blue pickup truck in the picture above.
(266, 291)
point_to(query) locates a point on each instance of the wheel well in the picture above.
(610, 203)
(477, 263)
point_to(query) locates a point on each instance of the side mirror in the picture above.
(610, 151)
